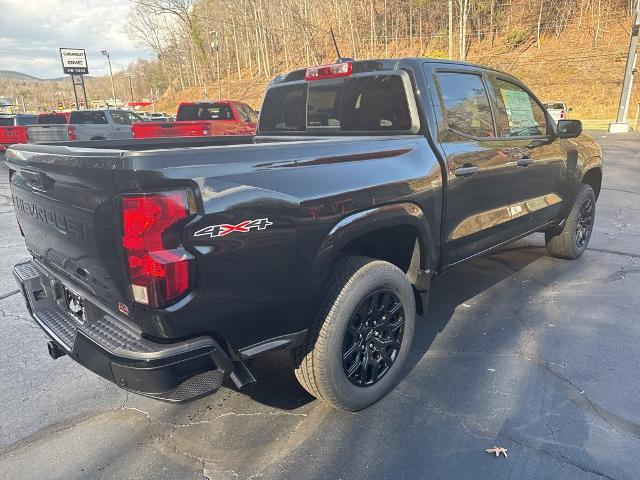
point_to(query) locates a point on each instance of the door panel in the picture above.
(479, 167)
(478, 214)
(539, 156)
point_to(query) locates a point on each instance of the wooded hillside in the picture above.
(572, 50)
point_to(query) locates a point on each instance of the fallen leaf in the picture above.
(497, 451)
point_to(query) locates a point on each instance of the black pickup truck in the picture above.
(166, 265)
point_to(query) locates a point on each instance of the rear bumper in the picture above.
(174, 372)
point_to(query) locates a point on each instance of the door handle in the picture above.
(466, 171)
(524, 161)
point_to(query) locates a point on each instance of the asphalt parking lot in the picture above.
(519, 350)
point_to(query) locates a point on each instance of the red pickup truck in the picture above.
(13, 129)
(201, 119)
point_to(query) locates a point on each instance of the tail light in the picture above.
(160, 269)
(72, 133)
(329, 71)
(561, 113)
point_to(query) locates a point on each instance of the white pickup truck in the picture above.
(557, 110)
(86, 125)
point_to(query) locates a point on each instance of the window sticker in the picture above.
(519, 111)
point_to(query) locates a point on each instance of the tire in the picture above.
(356, 289)
(571, 242)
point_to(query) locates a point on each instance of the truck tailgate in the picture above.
(65, 203)
(11, 135)
(48, 133)
(172, 129)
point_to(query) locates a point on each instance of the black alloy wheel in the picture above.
(373, 338)
(585, 222)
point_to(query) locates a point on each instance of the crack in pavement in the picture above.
(8, 294)
(558, 458)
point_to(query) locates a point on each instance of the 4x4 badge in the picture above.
(225, 229)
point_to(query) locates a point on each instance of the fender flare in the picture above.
(361, 223)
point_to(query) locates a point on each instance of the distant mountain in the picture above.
(23, 77)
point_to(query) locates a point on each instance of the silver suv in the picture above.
(87, 125)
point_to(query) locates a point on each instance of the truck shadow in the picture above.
(449, 291)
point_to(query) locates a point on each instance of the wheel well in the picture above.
(593, 178)
(399, 245)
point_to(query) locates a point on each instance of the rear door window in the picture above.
(87, 117)
(7, 122)
(519, 115)
(242, 113)
(253, 117)
(124, 118)
(465, 104)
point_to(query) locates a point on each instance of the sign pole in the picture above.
(75, 93)
(84, 92)
(621, 125)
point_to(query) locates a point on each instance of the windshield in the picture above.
(369, 103)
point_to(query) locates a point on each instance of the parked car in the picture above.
(172, 266)
(160, 117)
(13, 129)
(557, 110)
(86, 125)
(196, 119)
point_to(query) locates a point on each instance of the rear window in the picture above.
(554, 106)
(368, 103)
(85, 117)
(6, 122)
(204, 111)
(50, 119)
(26, 120)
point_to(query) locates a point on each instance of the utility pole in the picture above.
(215, 45)
(450, 29)
(113, 88)
(621, 125)
(129, 75)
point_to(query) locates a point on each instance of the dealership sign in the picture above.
(74, 61)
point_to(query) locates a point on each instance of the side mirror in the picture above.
(569, 128)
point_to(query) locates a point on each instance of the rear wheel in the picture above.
(574, 237)
(361, 334)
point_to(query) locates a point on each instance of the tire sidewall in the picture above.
(585, 192)
(374, 276)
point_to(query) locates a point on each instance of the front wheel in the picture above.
(572, 240)
(360, 336)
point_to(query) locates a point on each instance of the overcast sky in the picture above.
(31, 31)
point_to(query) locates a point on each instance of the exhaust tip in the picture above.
(55, 351)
